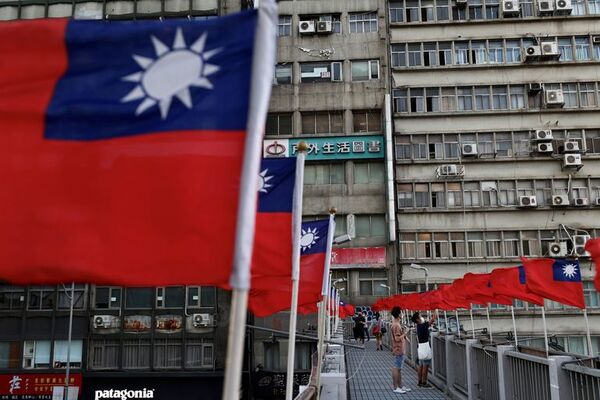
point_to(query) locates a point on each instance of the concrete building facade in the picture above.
(496, 133)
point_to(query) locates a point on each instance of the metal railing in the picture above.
(530, 376)
(439, 355)
(486, 362)
(458, 353)
(585, 382)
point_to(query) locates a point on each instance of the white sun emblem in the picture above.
(262, 181)
(171, 74)
(570, 270)
(309, 238)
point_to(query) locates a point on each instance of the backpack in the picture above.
(376, 328)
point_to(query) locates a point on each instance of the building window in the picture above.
(397, 11)
(482, 98)
(170, 297)
(582, 48)
(407, 244)
(61, 348)
(365, 70)
(465, 98)
(370, 226)
(370, 283)
(368, 121)
(199, 353)
(363, 22)
(10, 355)
(279, 124)
(201, 296)
(140, 298)
(283, 74)
(36, 354)
(321, 72)
(511, 244)
(517, 97)
(284, 26)
(303, 356)
(167, 353)
(587, 94)
(331, 122)
(41, 298)
(324, 174)
(398, 52)
(457, 245)
(369, 172)
(475, 244)
(565, 48)
(400, 97)
(341, 276)
(104, 354)
(493, 244)
(513, 51)
(570, 94)
(64, 297)
(455, 194)
(107, 297)
(592, 297)
(136, 353)
(12, 297)
(271, 357)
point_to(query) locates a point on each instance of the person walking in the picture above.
(359, 328)
(424, 349)
(398, 340)
(377, 330)
(367, 328)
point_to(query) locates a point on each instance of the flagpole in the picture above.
(487, 310)
(296, 236)
(587, 329)
(457, 323)
(545, 330)
(472, 323)
(512, 312)
(446, 320)
(263, 68)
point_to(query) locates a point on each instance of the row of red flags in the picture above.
(534, 281)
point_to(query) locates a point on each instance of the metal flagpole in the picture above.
(587, 331)
(325, 287)
(446, 320)
(472, 323)
(457, 323)
(512, 312)
(487, 310)
(68, 370)
(263, 67)
(545, 330)
(297, 226)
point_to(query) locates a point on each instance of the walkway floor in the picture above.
(370, 376)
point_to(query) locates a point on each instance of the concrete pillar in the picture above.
(560, 388)
(450, 375)
(504, 376)
(471, 369)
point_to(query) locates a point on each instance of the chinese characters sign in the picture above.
(358, 257)
(328, 148)
(33, 386)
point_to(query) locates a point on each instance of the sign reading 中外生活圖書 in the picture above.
(328, 148)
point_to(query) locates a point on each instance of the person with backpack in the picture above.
(378, 331)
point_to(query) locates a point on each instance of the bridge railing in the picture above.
(584, 381)
(486, 368)
(438, 344)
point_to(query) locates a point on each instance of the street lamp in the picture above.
(425, 270)
(388, 288)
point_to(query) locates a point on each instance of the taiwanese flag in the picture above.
(448, 296)
(511, 282)
(592, 246)
(478, 290)
(122, 146)
(558, 280)
(272, 256)
(313, 250)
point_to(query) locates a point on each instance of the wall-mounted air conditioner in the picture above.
(581, 201)
(560, 200)
(564, 7)
(545, 7)
(554, 98)
(105, 321)
(527, 201)
(550, 50)
(571, 146)
(469, 149)
(545, 148)
(532, 53)
(542, 134)
(307, 28)
(202, 320)
(510, 7)
(557, 249)
(324, 27)
(449, 170)
(572, 160)
(579, 242)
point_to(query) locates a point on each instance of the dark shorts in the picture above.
(398, 361)
(424, 362)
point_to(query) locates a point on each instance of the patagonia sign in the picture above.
(124, 394)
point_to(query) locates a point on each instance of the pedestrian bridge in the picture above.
(463, 368)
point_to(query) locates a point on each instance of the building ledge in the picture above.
(471, 113)
(462, 67)
(520, 20)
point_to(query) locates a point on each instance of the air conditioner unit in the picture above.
(469, 149)
(571, 146)
(598, 201)
(104, 321)
(307, 27)
(579, 242)
(527, 201)
(324, 27)
(510, 7)
(461, 3)
(572, 160)
(532, 53)
(557, 249)
(550, 49)
(596, 39)
(535, 87)
(201, 320)
(545, 7)
(448, 170)
(581, 201)
(564, 7)
(542, 134)
(560, 200)
(545, 148)
(554, 98)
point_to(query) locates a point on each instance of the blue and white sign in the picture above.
(328, 148)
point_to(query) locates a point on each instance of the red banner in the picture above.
(34, 386)
(358, 257)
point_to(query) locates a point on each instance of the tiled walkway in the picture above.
(371, 377)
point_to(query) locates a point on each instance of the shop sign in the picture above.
(34, 386)
(328, 148)
(137, 323)
(271, 385)
(358, 257)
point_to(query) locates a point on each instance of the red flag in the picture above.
(452, 298)
(511, 282)
(108, 174)
(558, 280)
(592, 246)
(478, 290)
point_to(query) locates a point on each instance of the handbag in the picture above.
(383, 330)
(424, 351)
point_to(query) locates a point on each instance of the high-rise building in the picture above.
(497, 143)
